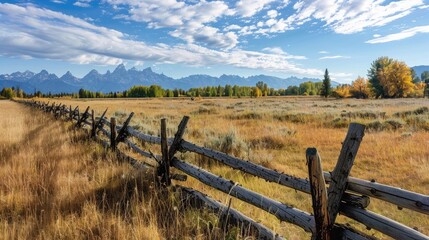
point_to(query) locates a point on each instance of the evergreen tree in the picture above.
(326, 85)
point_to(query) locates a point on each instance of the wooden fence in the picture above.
(346, 195)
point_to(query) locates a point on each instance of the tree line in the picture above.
(387, 78)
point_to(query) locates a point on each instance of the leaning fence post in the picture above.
(77, 115)
(93, 129)
(342, 169)
(318, 194)
(113, 133)
(175, 146)
(123, 132)
(164, 166)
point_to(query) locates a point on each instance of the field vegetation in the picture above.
(271, 131)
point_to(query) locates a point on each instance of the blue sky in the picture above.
(183, 37)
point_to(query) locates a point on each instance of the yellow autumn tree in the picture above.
(360, 88)
(256, 92)
(396, 79)
(390, 78)
(419, 89)
(342, 91)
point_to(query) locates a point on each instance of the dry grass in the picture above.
(56, 184)
(275, 133)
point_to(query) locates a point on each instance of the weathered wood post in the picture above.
(175, 146)
(113, 133)
(164, 166)
(77, 115)
(93, 128)
(342, 169)
(318, 195)
(123, 132)
(100, 122)
(70, 113)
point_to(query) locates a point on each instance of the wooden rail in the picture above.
(326, 201)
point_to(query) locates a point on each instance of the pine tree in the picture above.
(326, 85)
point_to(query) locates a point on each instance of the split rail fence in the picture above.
(346, 195)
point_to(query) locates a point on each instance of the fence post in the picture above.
(93, 129)
(123, 132)
(100, 122)
(318, 195)
(113, 133)
(78, 115)
(164, 166)
(175, 146)
(342, 169)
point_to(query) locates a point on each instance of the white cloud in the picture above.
(279, 51)
(190, 22)
(248, 8)
(32, 32)
(401, 35)
(351, 16)
(232, 27)
(83, 3)
(272, 14)
(323, 52)
(334, 57)
(59, 1)
(341, 77)
(376, 35)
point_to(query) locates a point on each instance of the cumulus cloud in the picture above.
(351, 16)
(32, 32)
(272, 13)
(58, 1)
(248, 8)
(83, 3)
(190, 22)
(279, 51)
(333, 57)
(198, 21)
(407, 33)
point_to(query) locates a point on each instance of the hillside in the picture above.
(420, 69)
(122, 79)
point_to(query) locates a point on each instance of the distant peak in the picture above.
(68, 74)
(148, 69)
(93, 71)
(120, 66)
(43, 72)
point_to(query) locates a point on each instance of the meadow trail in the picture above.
(55, 184)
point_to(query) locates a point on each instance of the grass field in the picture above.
(273, 132)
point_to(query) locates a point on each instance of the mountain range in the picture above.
(420, 69)
(122, 79)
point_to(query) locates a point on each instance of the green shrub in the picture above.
(340, 123)
(393, 124)
(364, 114)
(375, 126)
(246, 115)
(204, 110)
(229, 143)
(418, 111)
